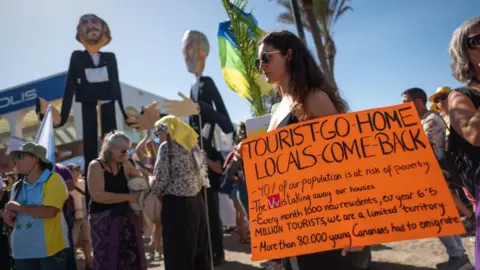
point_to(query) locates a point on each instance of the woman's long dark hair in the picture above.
(305, 75)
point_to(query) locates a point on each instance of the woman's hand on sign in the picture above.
(351, 249)
(238, 151)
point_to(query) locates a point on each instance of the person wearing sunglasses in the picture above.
(464, 111)
(115, 228)
(286, 62)
(40, 237)
(439, 101)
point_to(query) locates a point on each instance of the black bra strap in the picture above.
(101, 164)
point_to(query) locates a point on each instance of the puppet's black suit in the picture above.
(88, 92)
(213, 112)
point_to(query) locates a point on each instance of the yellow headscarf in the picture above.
(179, 131)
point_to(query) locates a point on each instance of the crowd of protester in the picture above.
(164, 194)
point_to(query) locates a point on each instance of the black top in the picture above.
(212, 111)
(290, 119)
(117, 183)
(85, 92)
(467, 156)
(5, 198)
(332, 259)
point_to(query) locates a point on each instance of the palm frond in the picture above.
(287, 16)
(247, 47)
(342, 11)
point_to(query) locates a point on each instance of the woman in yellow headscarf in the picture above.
(179, 178)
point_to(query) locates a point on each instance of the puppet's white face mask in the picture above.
(191, 58)
(91, 29)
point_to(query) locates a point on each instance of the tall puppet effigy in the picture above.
(93, 79)
(205, 109)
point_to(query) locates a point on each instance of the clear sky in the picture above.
(383, 46)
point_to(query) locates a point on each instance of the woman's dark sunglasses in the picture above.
(473, 42)
(440, 98)
(264, 58)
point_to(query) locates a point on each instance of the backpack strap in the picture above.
(79, 190)
(19, 185)
(17, 188)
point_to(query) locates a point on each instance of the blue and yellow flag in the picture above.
(232, 65)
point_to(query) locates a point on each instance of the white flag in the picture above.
(46, 136)
(14, 144)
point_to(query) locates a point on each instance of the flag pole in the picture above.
(99, 118)
(206, 201)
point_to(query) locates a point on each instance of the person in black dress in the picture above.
(114, 227)
(306, 94)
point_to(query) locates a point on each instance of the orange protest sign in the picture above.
(354, 179)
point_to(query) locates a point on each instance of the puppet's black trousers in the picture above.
(90, 132)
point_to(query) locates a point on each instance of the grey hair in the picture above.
(113, 138)
(197, 38)
(461, 68)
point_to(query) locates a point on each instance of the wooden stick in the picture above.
(99, 120)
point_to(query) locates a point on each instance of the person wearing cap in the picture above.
(40, 236)
(434, 128)
(439, 102)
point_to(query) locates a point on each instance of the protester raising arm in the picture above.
(140, 149)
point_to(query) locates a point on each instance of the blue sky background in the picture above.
(383, 46)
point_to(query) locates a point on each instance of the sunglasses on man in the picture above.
(473, 42)
(20, 156)
(264, 58)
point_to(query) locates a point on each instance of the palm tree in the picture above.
(319, 17)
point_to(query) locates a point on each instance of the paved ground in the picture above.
(407, 255)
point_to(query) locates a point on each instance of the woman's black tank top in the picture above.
(290, 119)
(328, 259)
(117, 183)
(467, 156)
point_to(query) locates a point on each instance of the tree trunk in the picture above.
(331, 52)
(317, 38)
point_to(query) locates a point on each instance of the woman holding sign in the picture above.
(285, 61)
